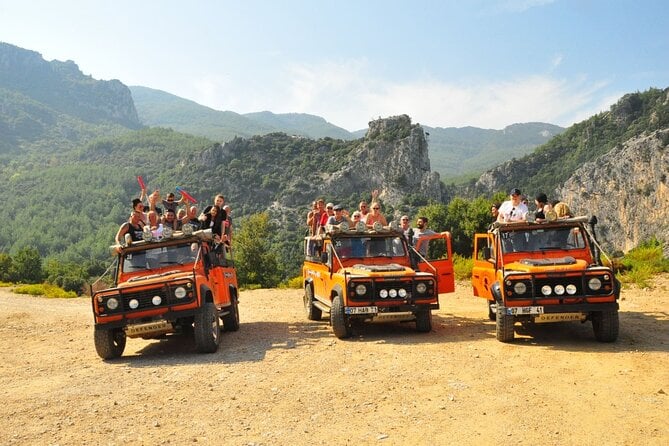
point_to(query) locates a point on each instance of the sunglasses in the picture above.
(376, 208)
(329, 207)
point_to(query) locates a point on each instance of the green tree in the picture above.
(27, 266)
(254, 259)
(5, 267)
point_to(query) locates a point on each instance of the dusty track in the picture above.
(284, 380)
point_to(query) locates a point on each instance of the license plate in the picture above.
(559, 317)
(362, 310)
(524, 310)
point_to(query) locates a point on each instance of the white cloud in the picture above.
(349, 95)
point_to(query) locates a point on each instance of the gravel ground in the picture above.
(282, 379)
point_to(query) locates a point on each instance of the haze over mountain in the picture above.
(454, 152)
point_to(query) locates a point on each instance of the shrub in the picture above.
(294, 283)
(462, 267)
(45, 290)
(640, 264)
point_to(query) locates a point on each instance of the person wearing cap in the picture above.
(329, 212)
(339, 216)
(513, 209)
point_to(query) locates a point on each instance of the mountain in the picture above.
(48, 107)
(613, 165)
(301, 124)
(458, 153)
(157, 108)
(63, 88)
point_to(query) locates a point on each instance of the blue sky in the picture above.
(444, 63)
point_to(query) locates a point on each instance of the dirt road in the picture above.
(283, 380)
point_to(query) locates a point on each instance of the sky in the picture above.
(481, 63)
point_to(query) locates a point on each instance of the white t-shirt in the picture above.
(509, 212)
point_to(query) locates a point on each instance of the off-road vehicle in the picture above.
(361, 275)
(551, 271)
(179, 283)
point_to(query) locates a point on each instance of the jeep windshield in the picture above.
(366, 247)
(563, 238)
(160, 257)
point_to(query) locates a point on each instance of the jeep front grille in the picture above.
(140, 300)
(563, 287)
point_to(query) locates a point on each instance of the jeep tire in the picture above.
(492, 310)
(504, 325)
(207, 329)
(231, 320)
(605, 324)
(341, 325)
(109, 343)
(424, 321)
(313, 313)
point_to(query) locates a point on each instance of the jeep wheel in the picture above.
(605, 324)
(231, 320)
(207, 329)
(492, 310)
(341, 325)
(313, 313)
(109, 343)
(504, 325)
(424, 321)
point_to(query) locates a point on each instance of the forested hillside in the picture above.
(158, 108)
(548, 167)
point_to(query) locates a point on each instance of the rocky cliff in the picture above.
(393, 157)
(628, 190)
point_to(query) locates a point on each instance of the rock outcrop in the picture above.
(628, 190)
(393, 158)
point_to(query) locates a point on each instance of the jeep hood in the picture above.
(387, 268)
(529, 265)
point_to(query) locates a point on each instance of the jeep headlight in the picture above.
(571, 289)
(156, 300)
(361, 289)
(546, 290)
(402, 293)
(559, 290)
(383, 294)
(595, 284)
(519, 288)
(112, 303)
(392, 293)
(133, 304)
(180, 292)
(421, 288)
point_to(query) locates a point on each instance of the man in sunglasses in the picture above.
(513, 209)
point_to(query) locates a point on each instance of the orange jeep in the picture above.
(360, 274)
(545, 272)
(178, 284)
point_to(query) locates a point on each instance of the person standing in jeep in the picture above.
(513, 209)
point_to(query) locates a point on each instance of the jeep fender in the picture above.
(337, 291)
(205, 295)
(496, 290)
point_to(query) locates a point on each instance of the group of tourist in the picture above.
(323, 214)
(516, 208)
(147, 213)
